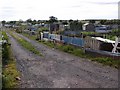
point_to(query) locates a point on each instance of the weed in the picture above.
(9, 66)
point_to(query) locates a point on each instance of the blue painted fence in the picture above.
(73, 40)
(69, 40)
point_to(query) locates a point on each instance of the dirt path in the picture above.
(60, 70)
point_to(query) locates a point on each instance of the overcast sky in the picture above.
(62, 9)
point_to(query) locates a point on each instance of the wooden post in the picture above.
(115, 45)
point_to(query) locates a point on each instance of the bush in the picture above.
(78, 52)
(67, 48)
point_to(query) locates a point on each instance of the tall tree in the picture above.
(65, 23)
(12, 22)
(29, 20)
(70, 20)
(3, 23)
(52, 19)
(75, 25)
(103, 21)
(34, 22)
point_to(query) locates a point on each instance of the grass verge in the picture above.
(33, 37)
(0, 35)
(9, 70)
(26, 44)
(79, 52)
(0, 60)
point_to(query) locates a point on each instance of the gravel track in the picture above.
(57, 69)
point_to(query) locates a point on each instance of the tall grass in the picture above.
(9, 71)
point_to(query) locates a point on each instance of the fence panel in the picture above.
(78, 41)
(69, 40)
(73, 40)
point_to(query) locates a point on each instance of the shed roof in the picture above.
(86, 24)
(104, 40)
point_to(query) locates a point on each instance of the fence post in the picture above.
(83, 47)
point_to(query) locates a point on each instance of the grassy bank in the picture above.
(78, 52)
(8, 66)
(33, 37)
(0, 61)
(26, 44)
(0, 35)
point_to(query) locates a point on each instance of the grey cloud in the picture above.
(4, 8)
(99, 3)
(76, 6)
(104, 3)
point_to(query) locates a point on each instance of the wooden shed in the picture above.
(98, 43)
(89, 27)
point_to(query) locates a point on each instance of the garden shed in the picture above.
(98, 43)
